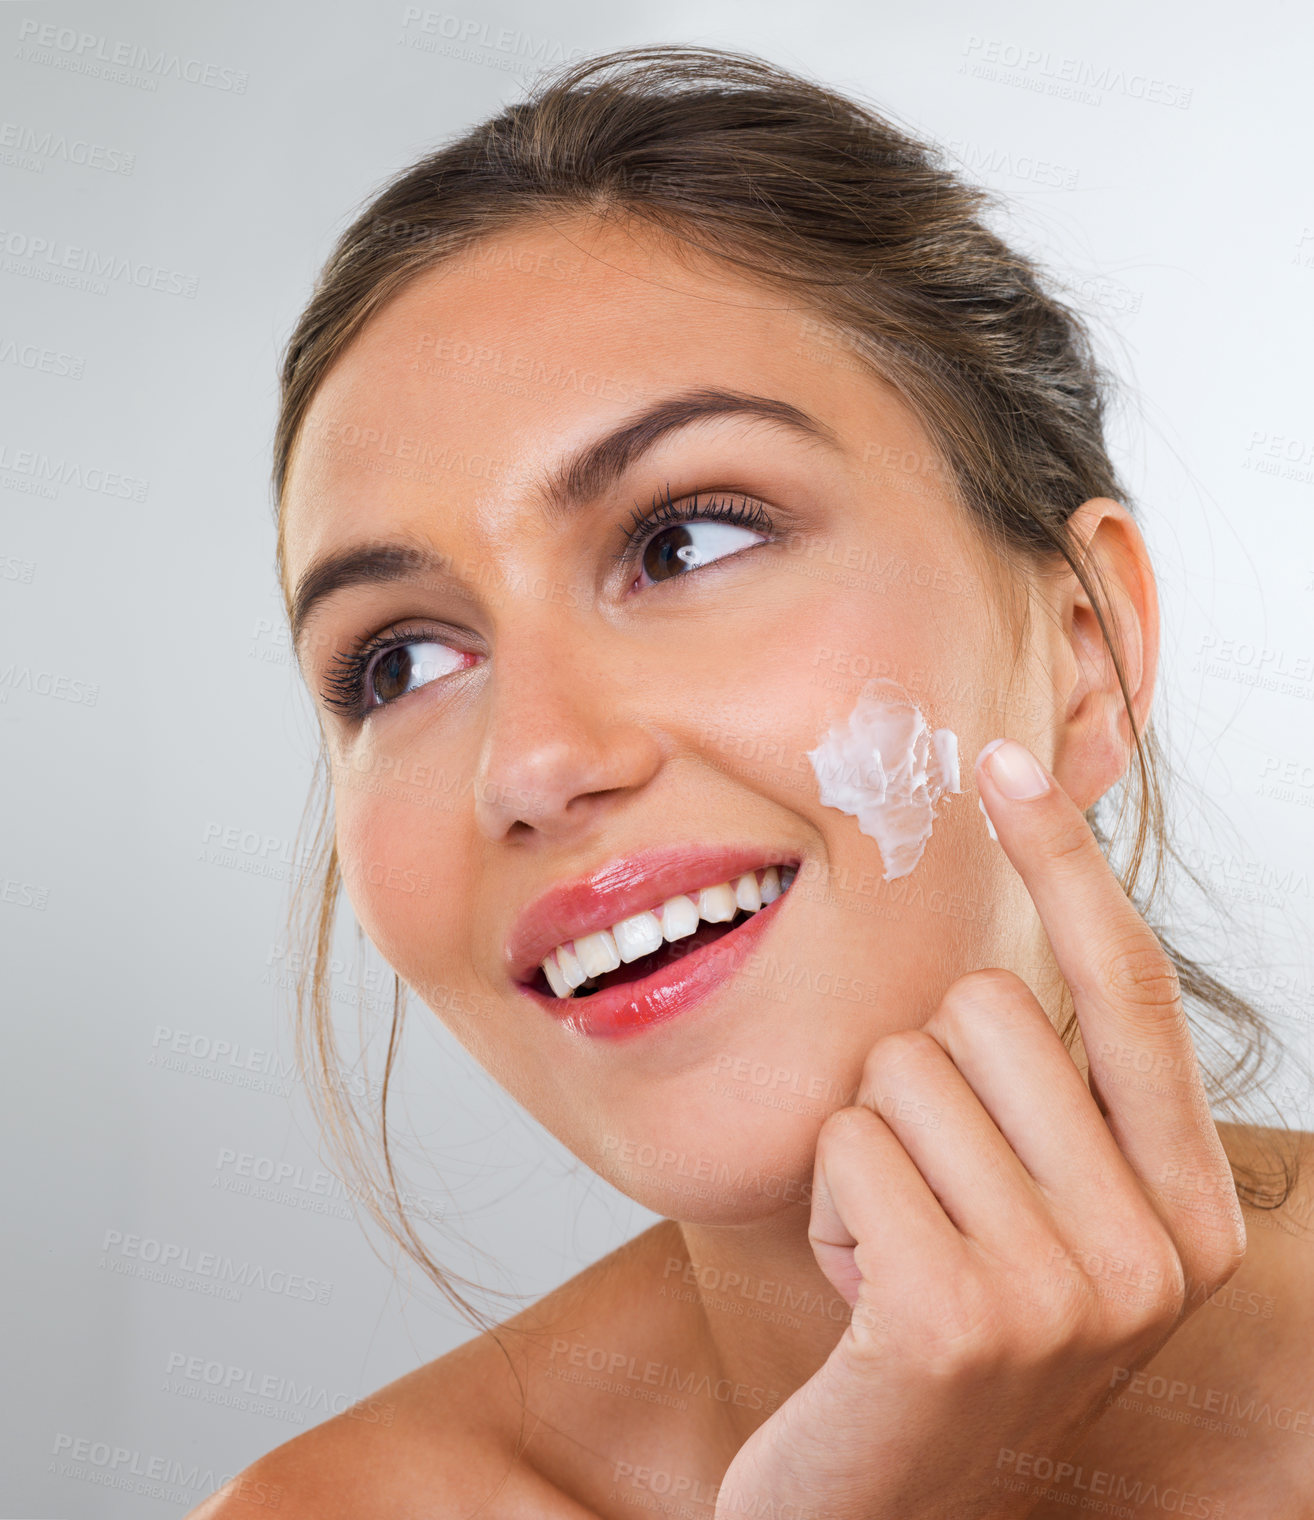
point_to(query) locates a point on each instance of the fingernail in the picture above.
(990, 828)
(1015, 770)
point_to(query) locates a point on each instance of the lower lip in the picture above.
(631, 1007)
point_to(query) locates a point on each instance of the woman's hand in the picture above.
(1003, 1261)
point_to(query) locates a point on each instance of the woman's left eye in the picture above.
(673, 540)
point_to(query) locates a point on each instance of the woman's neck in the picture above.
(763, 1314)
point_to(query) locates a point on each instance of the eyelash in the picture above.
(662, 512)
(344, 684)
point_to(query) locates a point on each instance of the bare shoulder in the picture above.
(1279, 1236)
(452, 1438)
(1280, 1164)
(439, 1441)
(1222, 1417)
(1236, 1379)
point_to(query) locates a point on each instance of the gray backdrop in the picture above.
(171, 177)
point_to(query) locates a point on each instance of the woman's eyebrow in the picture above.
(578, 480)
(360, 565)
(599, 465)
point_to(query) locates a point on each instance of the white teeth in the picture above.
(571, 969)
(717, 904)
(679, 917)
(637, 936)
(593, 955)
(597, 953)
(560, 986)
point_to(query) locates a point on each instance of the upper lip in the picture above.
(621, 888)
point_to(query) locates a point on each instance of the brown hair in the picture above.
(814, 194)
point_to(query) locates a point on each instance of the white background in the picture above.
(1187, 232)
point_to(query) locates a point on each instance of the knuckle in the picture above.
(1063, 1324)
(1220, 1251)
(1156, 1297)
(897, 1052)
(841, 1128)
(1139, 972)
(1165, 1267)
(987, 999)
(1130, 1285)
(1146, 1321)
(1071, 843)
(1212, 1228)
(984, 991)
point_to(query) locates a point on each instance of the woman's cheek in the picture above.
(389, 872)
(765, 701)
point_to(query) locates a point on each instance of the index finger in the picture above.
(1125, 988)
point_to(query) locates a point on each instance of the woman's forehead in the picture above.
(474, 379)
(614, 307)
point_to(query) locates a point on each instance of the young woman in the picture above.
(665, 441)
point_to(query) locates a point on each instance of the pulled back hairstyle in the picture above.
(828, 201)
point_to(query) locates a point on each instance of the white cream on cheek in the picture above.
(885, 767)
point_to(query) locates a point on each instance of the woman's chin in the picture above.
(698, 1175)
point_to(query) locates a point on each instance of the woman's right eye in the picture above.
(406, 667)
(387, 667)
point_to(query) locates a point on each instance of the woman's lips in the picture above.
(629, 1007)
(631, 883)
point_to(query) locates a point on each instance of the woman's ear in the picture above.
(1093, 747)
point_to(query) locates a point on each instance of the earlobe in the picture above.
(1096, 743)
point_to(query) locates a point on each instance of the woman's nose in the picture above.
(564, 740)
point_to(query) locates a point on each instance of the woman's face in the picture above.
(547, 714)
